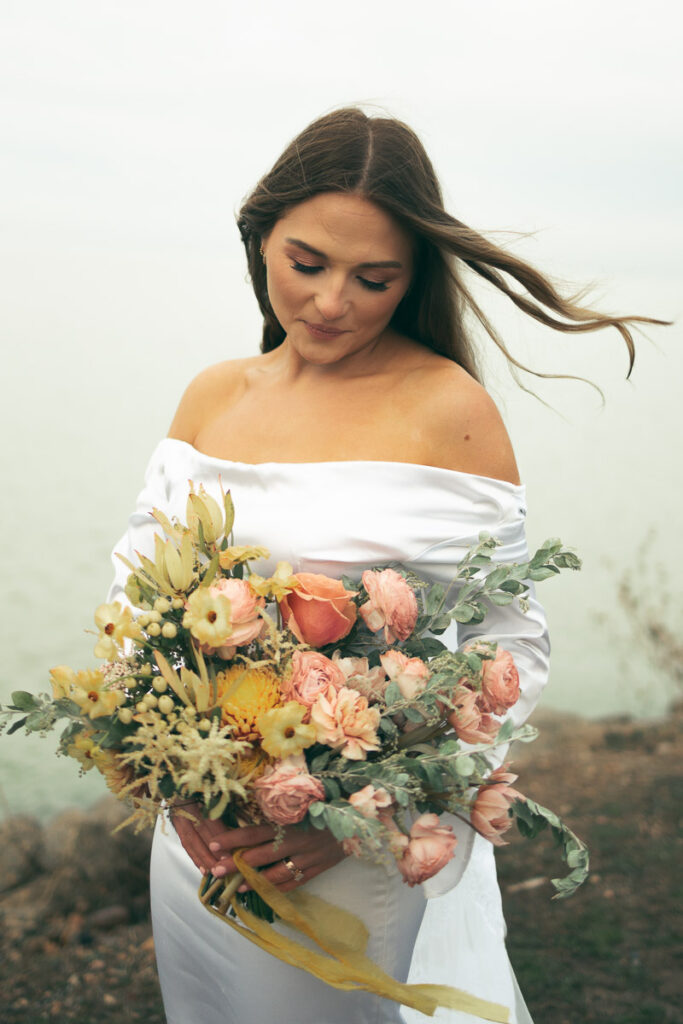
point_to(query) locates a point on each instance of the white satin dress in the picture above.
(335, 518)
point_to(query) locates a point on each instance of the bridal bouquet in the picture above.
(297, 698)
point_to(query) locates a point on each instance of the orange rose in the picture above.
(500, 683)
(312, 673)
(430, 848)
(467, 719)
(409, 674)
(285, 791)
(491, 810)
(320, 611)
(392, 604)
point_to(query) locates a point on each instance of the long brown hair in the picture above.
(382, 160)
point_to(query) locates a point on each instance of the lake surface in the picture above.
(102, 344)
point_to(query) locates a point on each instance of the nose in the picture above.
(331, 300)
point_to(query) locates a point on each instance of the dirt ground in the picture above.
(611, 953)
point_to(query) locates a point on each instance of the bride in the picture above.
(360, 434)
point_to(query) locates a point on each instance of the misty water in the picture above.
(129, 137)
(97, 369)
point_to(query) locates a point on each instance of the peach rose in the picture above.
(320, 610)
(392, 604)
(430, 847)
(246, 622)
(370, 801)
(500, 683)
(467, 719)
(344, 721)
(312, 674)
(490, 813)
(409, 674)
(286, 791)
(370, 682)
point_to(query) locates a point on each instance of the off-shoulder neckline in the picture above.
(506, 484)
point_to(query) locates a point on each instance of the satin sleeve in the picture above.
(500, 510)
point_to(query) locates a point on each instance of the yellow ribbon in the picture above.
(341, 935)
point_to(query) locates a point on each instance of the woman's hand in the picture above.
(297, 858)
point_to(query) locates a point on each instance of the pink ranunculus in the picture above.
(286, 791)
(312, 674)
(500, 683)
(392, 604)
(320, 611)
(490, 813)
(344, 721)
(247, 623)
(370, 682)
(409, 674)
(370, 801)
(430, 848)
(470, 724)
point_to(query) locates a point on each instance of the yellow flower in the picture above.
(284, 732)
(281, 583)
(116, 774)
(252, 765)
(244, 694)
(202, 508)
(175, 562)
(63, 680)
(114, 623)
(239, 553)
(87, 689)
(83, 749)
(208, 617)
(91, 696)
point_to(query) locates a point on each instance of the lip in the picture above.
(322, 332)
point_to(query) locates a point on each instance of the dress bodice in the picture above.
(341, 517)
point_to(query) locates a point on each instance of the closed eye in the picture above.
(373, 286)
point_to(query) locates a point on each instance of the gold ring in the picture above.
(296, 873)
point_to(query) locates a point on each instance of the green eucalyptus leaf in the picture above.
(24, 701)
(332, 789)
(513, 587)
(392, 694)
(544, 573)
(465, 765)
(501, 598)
(435, 599)
(464, 612)
(505, 731)
(496, 577)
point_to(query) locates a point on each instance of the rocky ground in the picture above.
(76, 944)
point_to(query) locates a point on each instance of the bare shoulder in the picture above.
(205, 394)
(464, 427)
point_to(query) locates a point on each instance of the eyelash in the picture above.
(373, 286)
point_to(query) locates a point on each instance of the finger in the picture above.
(271, 852)
(192, 843)
(233, 838)
(306, 866)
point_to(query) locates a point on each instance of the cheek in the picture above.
(381, 307)
(285, 290)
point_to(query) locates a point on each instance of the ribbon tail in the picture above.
(339, 958)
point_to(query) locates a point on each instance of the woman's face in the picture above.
(337, 268)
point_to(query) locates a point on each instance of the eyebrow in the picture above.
(380, 264)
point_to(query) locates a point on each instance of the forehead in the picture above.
(346, 227)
